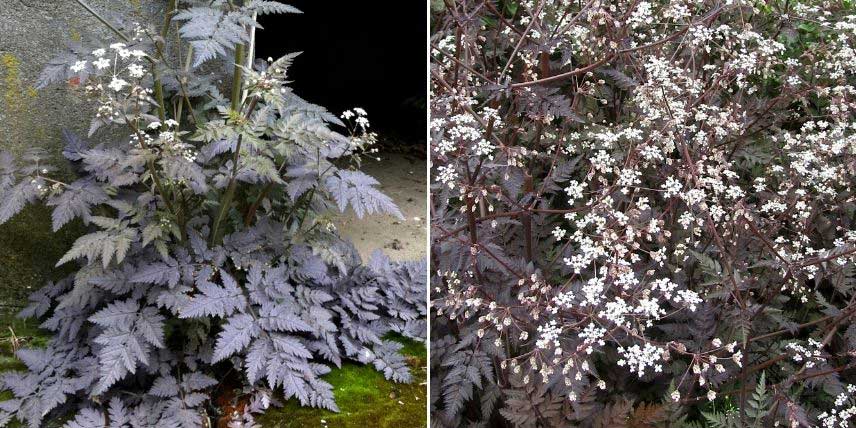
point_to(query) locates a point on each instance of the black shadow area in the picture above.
(368, 54)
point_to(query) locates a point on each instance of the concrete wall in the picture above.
(31, 33)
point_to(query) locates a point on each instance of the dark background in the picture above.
(368, 54)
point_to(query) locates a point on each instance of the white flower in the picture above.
(549, 335)
(154, 125)
(117, 84)
(359, 111)
(172, 123)
(117, 46)
(347, 114)
(637, 358)
(672, 187)
(101, 63)
(167, 136)
(78, 66)
(676, 396)
(711, 395)
(738, 358)
(99, 52)
(136, 71)
(447, 175)
(574, 190)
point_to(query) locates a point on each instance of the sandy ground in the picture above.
(403, 179)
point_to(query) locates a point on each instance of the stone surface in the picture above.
(404, 179)
(31, 33)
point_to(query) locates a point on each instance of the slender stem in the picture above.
(158, 84)
(152, 169)
(308, 200)
(251, 54)
(183, 82)
(103, 20)
(216, 229)
(237, 77)
(167, 19)
(251, 211)
(237, 102)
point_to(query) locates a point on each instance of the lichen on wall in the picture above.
(16, 106)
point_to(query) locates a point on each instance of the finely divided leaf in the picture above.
(236, 335)
(357, 189)
(76, 201)
(269, 7)
(215, 300)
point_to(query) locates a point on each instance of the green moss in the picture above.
(365, 398)
(14, 333)
(29, 251)
(21, 128)
(12, 82)
(411, 348)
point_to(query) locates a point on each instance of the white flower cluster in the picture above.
(665, 202)
(843, 413)
(359, 115)
(548, 335)
(809, 355)
(637, 359)
(465, 131)
(118, 77)
(168, 140)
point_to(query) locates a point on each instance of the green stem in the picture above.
(226, 202)
(237, 102)
(159, 96)
(183, 83)
(167, 19)
(306, 211)
(237, 77)
(216, 231)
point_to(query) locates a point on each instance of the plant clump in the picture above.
(643, 213)
(210, 267)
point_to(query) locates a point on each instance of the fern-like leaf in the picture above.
(357, 189)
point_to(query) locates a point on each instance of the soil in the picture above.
(403, 178)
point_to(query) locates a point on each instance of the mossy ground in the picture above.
(28, 252)
(17, 333)
(365, 398)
